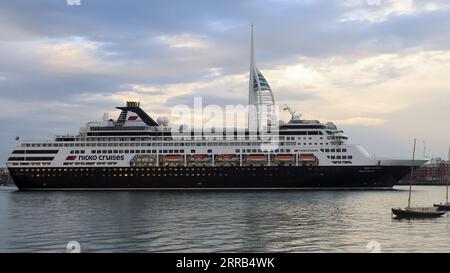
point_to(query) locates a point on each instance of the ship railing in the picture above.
(130, 128)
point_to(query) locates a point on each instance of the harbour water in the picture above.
(227, 221)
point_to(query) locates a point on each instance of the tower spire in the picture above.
(251, 94)
(260, 98)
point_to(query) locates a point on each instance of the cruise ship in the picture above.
(137, 152)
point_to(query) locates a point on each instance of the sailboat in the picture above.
(416, 212)
(446, 206)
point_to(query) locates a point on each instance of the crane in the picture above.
(292, 112)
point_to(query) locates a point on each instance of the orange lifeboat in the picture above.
(173, 158)
(257, 158)
(229, 157)
(200, 157)
(285, 157)
(307, 157)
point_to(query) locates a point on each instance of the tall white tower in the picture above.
(260, 98)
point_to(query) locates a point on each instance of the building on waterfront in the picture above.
(432, 173)
(4, 177)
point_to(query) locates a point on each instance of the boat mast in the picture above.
(412, 173)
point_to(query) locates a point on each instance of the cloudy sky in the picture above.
(380, 69)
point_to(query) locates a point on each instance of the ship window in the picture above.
(333, 157)
(237, 150)
(338, 157)
(344, 157)
(154, 151)
(338, 150)
(209, 151)
(116, 151)
(344, 150)
(350, 157)
(193, 151)
(333, 150)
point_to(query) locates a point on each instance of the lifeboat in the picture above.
(257, 158)
(200, 157)
(307, 157)
(228, 157)
(285, 158)
(173, 158)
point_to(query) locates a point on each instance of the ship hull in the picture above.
(179, 178)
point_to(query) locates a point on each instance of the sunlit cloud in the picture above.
(380, 10)
(184, 40)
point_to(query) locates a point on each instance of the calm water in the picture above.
(296, 221)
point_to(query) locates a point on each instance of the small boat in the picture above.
(416, 212)
(442, 207)
(420, 212)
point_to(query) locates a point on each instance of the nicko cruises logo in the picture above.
(94, 157)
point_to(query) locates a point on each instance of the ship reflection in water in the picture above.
(261, 221)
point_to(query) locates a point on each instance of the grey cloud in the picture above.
(127, 30)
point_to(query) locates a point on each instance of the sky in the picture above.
(379, 69)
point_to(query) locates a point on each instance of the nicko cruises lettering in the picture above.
(101, 157)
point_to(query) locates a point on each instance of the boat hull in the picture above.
(404, 213)
(172, 178)
(442, 207)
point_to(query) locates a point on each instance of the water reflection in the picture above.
(261, 221)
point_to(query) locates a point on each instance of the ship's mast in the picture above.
(412, 174)
(446, 169)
